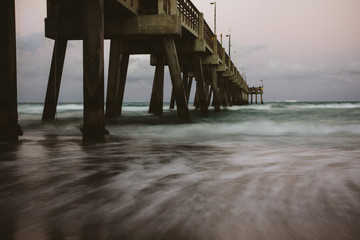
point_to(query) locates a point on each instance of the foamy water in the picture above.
(273, 171)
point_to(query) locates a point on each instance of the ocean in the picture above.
(278, 171)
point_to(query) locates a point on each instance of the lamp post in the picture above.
(244, 74)
(214, 3)
(229, 36)
(235, 57)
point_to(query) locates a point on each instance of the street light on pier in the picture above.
(229, 36)
(214, 3)
(235, 57)
(244, 74)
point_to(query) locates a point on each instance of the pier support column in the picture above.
(188, 88)
(216, 90)
(157, 95)
(93, 57)
(209, 93)
(185, 82)
(200, 87)
(255, 98)
(118, 67)
(124, 65)
(56, 70)
(228, 92)
(223, 95)
(262, 101)
(175, 73)
(9, 128)
(172, 99)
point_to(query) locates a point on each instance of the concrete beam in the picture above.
(228, 73)
(212, 59)
(142, 25)
(221, 68)
(194, 45)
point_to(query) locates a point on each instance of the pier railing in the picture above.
(208, 36)
(189, 15)
(193, 20)
(190, 18)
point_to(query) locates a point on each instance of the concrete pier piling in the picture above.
(200, 87)
(93, 56)
(53, 88)
(118, 67)
(9, 128)
(216, 90)
(175, 73)
(157, 95)
(113, 80)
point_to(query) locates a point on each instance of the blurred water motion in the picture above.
(174, 181)
(57, 188)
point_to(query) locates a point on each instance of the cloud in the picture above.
(33, 64)
(293, 71)
(353, 68)
(139, 67)
(306, 82)
(249, 49)
(31, 42)
(34, 54)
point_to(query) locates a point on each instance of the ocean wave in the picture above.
(329, 105)
(222, 132)
(70, 107)
(300, 105)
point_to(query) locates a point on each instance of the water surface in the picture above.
(272, 171)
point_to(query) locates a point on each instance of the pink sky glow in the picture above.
(296, 47)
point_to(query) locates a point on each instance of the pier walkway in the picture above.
(173, 32)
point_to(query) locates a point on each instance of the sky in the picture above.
(304, 50)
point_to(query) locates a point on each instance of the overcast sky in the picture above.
(305, 50)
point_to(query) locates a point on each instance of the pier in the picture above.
(256, 91)
(173, 32)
